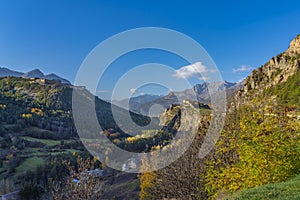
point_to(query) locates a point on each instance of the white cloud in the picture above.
(103, 91)
(241, 80)
(196, 69)
(133, 90)
(243, 68)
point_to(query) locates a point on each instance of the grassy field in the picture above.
(289, 190)
(30, 163)
(35, 156)
(37, 153)
(44, 141)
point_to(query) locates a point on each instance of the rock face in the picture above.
(295, 46)
(276, 71)
(184, 116)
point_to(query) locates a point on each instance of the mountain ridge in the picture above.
(135, 101)
(274, 72)
(35, 73)
(199, 92)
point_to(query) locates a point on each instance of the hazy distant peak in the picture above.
(199, 88)
(53, 76)
(7, 72)
(35, 73)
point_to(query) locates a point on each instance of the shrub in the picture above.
(87, 185)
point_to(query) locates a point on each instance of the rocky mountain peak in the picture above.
(277, 70)
(294, 47)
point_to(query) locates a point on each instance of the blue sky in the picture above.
(56, 36)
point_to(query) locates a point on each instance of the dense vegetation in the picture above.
(260, 143)
(26, 103)
(262, 149)
(288, 92)
(37, 133)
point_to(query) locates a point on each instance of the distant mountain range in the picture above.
(200, 92)
(135, 102)
(36, 73)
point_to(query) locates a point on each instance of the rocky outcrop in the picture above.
(181, 179)
(276, 71)
(294, 46)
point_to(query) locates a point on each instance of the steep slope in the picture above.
(269, 76)
(260, 142)
(181, 179)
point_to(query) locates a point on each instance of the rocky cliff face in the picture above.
(181, 180)
(184, 116)
(276, 71)
(295, 46)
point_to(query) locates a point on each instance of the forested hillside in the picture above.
(261, 142)
(37, 133)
